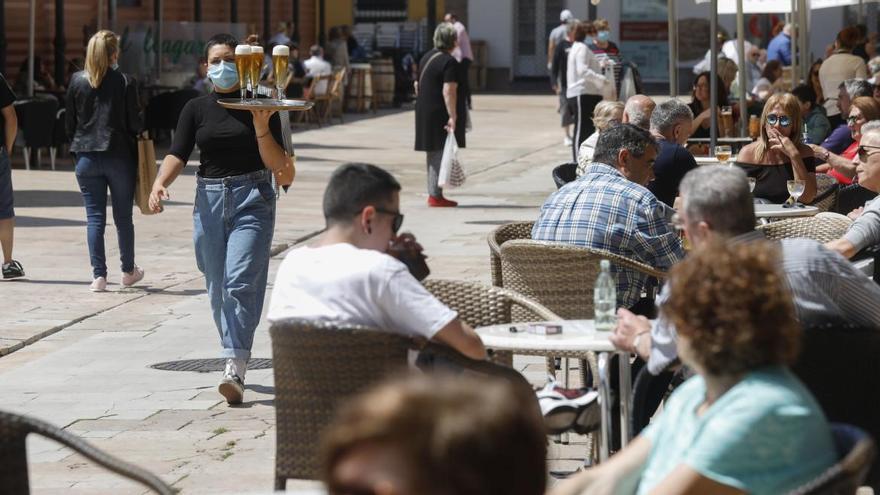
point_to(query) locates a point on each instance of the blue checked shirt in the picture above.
(604, 210)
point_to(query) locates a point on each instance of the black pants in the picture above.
(464, 67)
(582, 107)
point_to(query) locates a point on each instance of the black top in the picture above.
(771, 179)
(673, 161)
(701, 132)
(559, 65)
(7, 97)
(437, 68)
(106, 118)
(226, 138)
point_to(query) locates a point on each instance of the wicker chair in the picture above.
(822, 228)
(504, 233)
(14, 430)
(856, 450)
(827, 188)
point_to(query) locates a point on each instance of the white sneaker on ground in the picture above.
(566, 141)
(99, 285)
(132, 277)
(232, 385)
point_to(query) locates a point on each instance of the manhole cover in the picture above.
(209, 365)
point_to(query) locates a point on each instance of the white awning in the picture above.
(777, 6)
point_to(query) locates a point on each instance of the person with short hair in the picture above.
(316, 66)
(605, 50)
(559, 81)
(638, 110)
(9, 124)
(779, 47)
(818, 126)
(842, 167)
(606, 114)
(609, 208)
(840, 66)
(771, 73)
(437, 435)
(559, 33)
(671, 124)
(349, 277)
(841, 136)
(586, 84)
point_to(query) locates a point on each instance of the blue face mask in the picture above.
(603, 35)
(115, 66)
(223, 75)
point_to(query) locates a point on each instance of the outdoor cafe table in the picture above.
(577, 336)
(778, 211)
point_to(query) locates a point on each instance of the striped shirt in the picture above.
(824, 284)
(604, 210)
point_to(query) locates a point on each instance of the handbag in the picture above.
(451, 169)
(146, 173)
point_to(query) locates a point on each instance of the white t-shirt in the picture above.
(834, 70)
(344, 284)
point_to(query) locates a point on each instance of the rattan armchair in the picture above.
(14, 430)
(827, 188)
(822, 228)
(504, 233)
(856, 450)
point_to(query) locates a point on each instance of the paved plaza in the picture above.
(82, 361)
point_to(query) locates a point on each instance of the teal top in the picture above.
(766, 435)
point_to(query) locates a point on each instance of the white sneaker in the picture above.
(566, 141)
(99, 285)
(132, 277)
(232, 385)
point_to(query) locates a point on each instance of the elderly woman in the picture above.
(440, 107)
(779, 155)
(745, 423)
(606, 114)
(863, 109)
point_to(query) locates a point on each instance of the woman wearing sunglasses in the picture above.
(863, 109)
(779, 154)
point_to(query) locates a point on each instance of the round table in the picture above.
(577, 336)
(778, 211)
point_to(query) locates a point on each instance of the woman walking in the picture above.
(102, 121)
(586, 85)
(440, 107)
(234, 214)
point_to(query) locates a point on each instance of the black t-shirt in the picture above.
(226, 138)
(436, 69)
(7, 97)
(672, 163)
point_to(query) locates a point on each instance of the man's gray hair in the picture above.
(445, 36)
(872, 127)
(636, 111)
(856, 88)
(669, 114)
(718, 195)
(620, 137)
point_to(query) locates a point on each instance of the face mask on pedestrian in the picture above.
(223, 75)
(603, 35)
(114, 66)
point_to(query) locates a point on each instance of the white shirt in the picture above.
(728, 50)
(344, 284)
(584, 75)
(836, 69)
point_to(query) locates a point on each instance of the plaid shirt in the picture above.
(605, 210)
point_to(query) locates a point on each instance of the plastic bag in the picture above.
(451, 168)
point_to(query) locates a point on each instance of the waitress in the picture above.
(234, 214)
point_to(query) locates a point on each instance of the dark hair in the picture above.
(770, 69)
(805, 94)
(334, 34)
(695, 105)
(848, 37)
(220, 39)
(452, 16)
(620, 137)
(354, 186)
(315, 50)
(581, 30)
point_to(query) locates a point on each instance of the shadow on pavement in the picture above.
(51, 282)
(24, 222)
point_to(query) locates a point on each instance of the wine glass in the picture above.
(752, 182)
(242, 65)
(722, 153)
(795, 188)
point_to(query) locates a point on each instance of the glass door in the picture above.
(534, 19)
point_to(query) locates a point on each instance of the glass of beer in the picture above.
(754, 127)
(727, 121)
(280, 58)
(256, 68)
(722, 153)
(242, 65)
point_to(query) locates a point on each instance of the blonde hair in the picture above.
(607, 113)
(792, 107)
(103, 45)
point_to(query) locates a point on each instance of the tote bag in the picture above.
(146, 173)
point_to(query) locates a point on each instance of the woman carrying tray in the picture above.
(234, 214)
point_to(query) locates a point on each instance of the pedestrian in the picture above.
(558, 34)
(605, 50)
(234, 213)
(440, 107)
(586, 85)
(559, 81)
(9, 124)
(102, 120)
(840, 66)
(463, 54)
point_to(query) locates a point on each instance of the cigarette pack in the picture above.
(544, 329)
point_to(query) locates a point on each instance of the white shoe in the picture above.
(132, 277)
(232, 385)
(566, 141)
(99, 285)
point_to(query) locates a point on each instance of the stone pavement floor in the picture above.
(81, 360)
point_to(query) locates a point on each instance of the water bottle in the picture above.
(806, 136)
(605, 299)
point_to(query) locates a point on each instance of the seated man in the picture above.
(316, 66)
(841, 136)
(865, 230)
(347, 276)
(716, 203)
(671, 125)
(638, 111)
(609, 208)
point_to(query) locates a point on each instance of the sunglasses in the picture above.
(398, 218)
(863, 152)
(852, 119)
(782, 120)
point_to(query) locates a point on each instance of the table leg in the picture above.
(565, 369)
(605, 406)
(625, 380)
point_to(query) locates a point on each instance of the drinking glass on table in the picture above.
(722, 153)
(752, 183)
(796, 189)
(243, 65)
(280, 57)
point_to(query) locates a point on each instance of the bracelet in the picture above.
(635, 344)
(264, 135)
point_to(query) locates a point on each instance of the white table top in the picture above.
(708, 160)
(774, 210)
(576, 336)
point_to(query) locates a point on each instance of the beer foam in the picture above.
(242, 49)
(256, 49)
(282, 50)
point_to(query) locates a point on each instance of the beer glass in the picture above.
(242, 65)
(722, 153)
(280, 56)
(727, 121)
(256, 68)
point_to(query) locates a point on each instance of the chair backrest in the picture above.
(565, 173)
(827, 188)
(504, 233)
(851, 197)
(336, 87)
(481, 305)
(821, 228)
(14, 430)
(316, 365)
(320, 86)
(36, 121)
(856, 451)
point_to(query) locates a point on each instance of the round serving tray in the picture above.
(266, 104)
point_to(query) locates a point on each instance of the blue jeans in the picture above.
(234, 219)
(95, 172)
